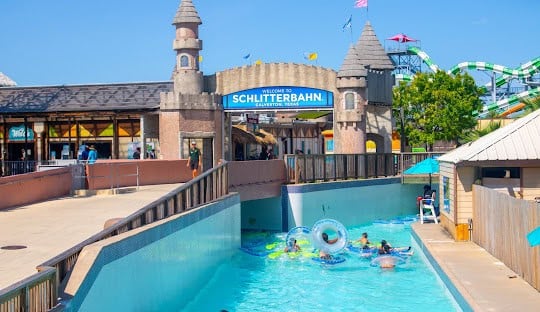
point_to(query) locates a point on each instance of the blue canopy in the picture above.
(426, 166)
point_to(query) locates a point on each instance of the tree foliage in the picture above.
(532, 104)
(436, 106)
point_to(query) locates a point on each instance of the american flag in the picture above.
(360, 3)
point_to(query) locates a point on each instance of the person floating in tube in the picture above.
(364, 241)
(385, 248)
(293, 248)
(322, 253)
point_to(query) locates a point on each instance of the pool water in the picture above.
(257, 283)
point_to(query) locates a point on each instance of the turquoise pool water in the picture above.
(258, 283)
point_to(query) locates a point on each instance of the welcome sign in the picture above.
(279, 98)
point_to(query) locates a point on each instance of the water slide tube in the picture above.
(510, 102)
(513, 109)
(526, 70)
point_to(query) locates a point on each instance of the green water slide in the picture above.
(508, 102)
(524, 71)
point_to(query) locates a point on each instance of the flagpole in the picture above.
(367, 12)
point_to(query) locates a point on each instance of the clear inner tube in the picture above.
(335, 232)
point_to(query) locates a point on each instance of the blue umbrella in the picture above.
(426, 166)
(534, 237)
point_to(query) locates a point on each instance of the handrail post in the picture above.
(305, 168)
(324, 167)
(345, 167)
(313, 162)
(366, 173)
(137, 177)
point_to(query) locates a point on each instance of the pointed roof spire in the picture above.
(370, 51)
(352, 67)
(186, 13)
(5, 81)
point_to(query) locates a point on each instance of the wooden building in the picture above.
(507, 160)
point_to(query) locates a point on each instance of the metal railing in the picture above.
(206, 188)
(332, 167)
(10, 168)
(115, 176)
(38, 292)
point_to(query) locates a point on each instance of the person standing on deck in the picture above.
(195, 157)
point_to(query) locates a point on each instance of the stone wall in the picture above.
(275, 74)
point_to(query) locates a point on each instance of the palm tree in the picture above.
(531, 105)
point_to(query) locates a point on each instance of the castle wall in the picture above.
(275, 74)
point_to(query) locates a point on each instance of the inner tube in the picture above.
(253, 252)
(387, 261)
(364, 252)
(329, 226)
(331, 261)
(300, 233)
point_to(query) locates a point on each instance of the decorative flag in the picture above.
(347, 24)
(361, 4)
(247, 56)
(311, 56)
(200, 58)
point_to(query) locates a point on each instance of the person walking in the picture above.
(137, 153)
(92, 155)
(194, 161)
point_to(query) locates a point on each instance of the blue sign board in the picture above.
(18, 133)
(279, 98)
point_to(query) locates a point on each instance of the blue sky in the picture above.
(105, 41)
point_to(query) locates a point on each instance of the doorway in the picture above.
(15, 151)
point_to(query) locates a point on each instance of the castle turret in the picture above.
(349, 111)
(187, 77)
(188, 114)
(364, 108)
(370, 51)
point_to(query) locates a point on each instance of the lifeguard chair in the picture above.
(427, 205)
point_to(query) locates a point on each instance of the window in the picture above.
(349, 100)
(501, 172)
(184, 61)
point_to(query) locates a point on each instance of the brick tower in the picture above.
(188, 113)
(363, 109)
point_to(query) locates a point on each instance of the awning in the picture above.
(241, 135)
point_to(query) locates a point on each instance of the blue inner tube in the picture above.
(364, 252)
(329, 226)
(331, 261)
(258, 253)
(299, 232)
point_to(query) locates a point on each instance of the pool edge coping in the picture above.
(458, 291)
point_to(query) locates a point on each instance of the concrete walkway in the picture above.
(485, 282)
(50, 228)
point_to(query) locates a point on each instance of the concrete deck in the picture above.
(483, 281)
(51, 227)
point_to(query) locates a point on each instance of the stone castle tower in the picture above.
(188, 107)
(361, 113)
